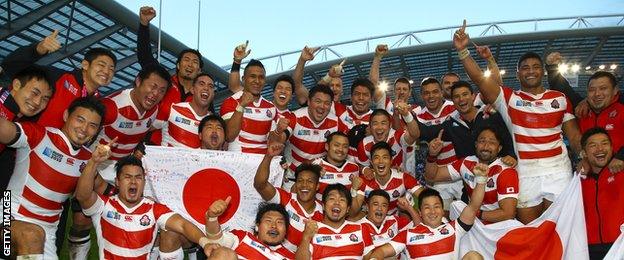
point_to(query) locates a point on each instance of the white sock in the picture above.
(154, 253)
(30, 257)
(79, 250)
(175, 255)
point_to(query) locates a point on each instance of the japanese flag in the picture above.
(617, 249)
(188, 181)
(558, 234)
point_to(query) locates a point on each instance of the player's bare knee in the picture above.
(223, 253)
(28, 237)
(80, 221)
(472, 255)
(170, 241)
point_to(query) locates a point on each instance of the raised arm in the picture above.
(144, 49)
(301, 92)
(28, 55)
(488, 87)
(85, 190)
(303, 251)
(373, 75)
(240, 53)
(405, 205)
(213, 228)
(233, 125)
(485, 53)
(261, 180)
(469, 213)
(411, 125)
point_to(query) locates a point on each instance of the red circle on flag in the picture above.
(205, 187)
(530, 243)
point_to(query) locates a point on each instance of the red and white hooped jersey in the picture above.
(424, 242)
(424, 116)
(179, 124)
(399, 184)
(124, 121)
(396, 140)
(535, 123)
(307, 139)
(259, 118)
(127, 233)
(8, 108)
(502, 180)
(349, 241)
(46, 172)
(349, 118)
(249, 247)
(343, 174)
(297, 216)
(390, 227)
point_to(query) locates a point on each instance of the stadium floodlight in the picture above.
(601, 67)
(563, 68)
(575, 68)
(613, 66)
(383, 85)
(502, 72)
(487, 73)
(588, 68)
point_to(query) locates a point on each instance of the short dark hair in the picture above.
(252, 63)
(94, 53)
(129, 160)
(450, 73)
(314, 168)
(320, 89)
(34, 72)
(593, 131)
(331, 136)
(363, 82)
(202, 74)
(529, 55)
(381, 145)
(403, 80)
(378, 192)
(489, 127)
(207, 118)
(286, 78)
(88, 102)
(462, 84)
(265, 207)
(193, 51)
(157, 69)
(341, 189)
(426, 193)
(379, 111)
(427, 81)
(600, 74)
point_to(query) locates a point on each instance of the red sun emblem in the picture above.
(542, 242)
(206, 186)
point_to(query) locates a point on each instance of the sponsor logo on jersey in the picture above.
(70, 161)
(113, 215)
(126, 125)
(303, 132)
(70, 87)
(182, 120)
(128, 218)
(49, 152)
(416, 237)
(323, 239)
(257, 245)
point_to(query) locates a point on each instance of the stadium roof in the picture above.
(83, 24)
(589, 41)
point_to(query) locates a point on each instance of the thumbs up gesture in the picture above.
(49, 44)
(218, 207)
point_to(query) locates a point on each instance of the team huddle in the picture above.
(351, 189)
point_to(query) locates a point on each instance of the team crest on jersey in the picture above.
(444, 231)
(323, 239)
(52, 154)
(490, 183)
(416, 237)
(327, 133)
(613, 114)
(113, 215)
(126, 125)
(554, 104)
(391, 233)
(269, 113)
(351, 177)
(149, 123)
(396, 194)
(144, 221)
(353, 238)
(70, 87)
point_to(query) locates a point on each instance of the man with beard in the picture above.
(447, 80)
(180, 121)
(188, 66)
(538, 119)
(381, 130)
(396, 183)
(302, 205)
(308, 128)
(433, 237)
(335, 166)
(602, 193)
(97, 70)
(384, 227)
(126, 223)
(265, 243)
(501, 195)
(47, 166)
(335, 237)
(252, 120)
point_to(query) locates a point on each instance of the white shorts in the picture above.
(535, 189)
(449, 191)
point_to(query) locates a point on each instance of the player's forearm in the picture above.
(477, 197)
(303, 251)
(487, 88)
(261, 180)
(373, 76)
(412, 130)
(431, 170)
(234, 83)
(191, 232)
(498, 215)
(275, 137)
(301, 92)
(85, 186)
(495, 71)
(213, 228)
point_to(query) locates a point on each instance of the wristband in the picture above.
(213, 219)
(240, 108)
(215, 234)
(481, 179)
(431, 158)
(463, 54)
(409, 118)
(203, 241)
(354, 193)
(235, 66)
